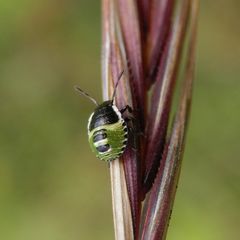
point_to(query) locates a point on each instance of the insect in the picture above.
(107, 129)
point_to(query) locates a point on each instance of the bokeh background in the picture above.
(51, 185)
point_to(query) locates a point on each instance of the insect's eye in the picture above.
(103, 148)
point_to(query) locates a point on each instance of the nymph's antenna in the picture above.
(79, 90)
(115, 88)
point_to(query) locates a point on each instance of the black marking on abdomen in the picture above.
(103, 148)
(99, 135)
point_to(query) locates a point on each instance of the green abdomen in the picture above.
(109, 141)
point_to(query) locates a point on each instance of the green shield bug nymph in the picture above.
(107, 129)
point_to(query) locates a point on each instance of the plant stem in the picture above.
(121, 208)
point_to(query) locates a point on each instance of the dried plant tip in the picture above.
(131, 28)
(161, 197)
(163, 90)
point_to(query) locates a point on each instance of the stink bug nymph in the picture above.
(107, 129)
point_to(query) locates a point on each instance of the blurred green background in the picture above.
(51, 185)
